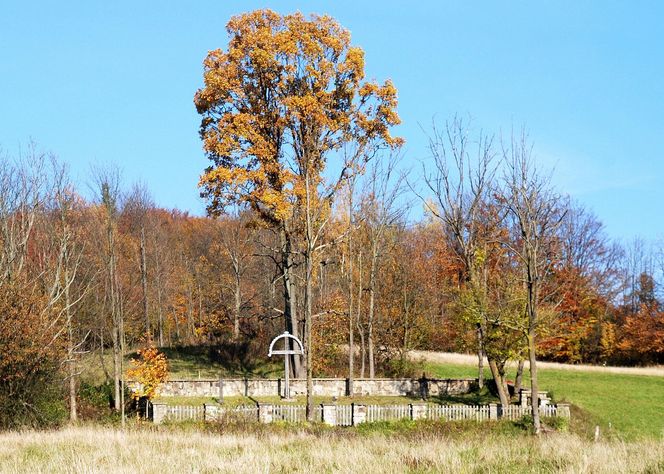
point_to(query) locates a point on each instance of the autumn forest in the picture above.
(320, 223)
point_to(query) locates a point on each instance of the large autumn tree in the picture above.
(288, 94)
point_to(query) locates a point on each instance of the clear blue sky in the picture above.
(114, 81)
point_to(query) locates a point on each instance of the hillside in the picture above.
(626, 402)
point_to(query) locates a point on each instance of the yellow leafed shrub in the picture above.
(150, 370)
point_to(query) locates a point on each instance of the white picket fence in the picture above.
(458, 412)
(348, 415)
(184, 413)
(294, 413)
(387, 412)
(344, 415)
(516, 412)
(242, 412)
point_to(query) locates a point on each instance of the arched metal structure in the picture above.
(286, 352)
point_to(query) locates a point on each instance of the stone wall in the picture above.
(322, 387)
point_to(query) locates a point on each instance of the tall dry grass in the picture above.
(89, 449)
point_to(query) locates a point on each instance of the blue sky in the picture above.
(99, 82)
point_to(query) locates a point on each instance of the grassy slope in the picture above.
(624, 405)
(627, 406)
(189, 362)
(184, 363)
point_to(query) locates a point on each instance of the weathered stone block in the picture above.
(265, 413)
(358, 413)
(418, 411)
(329, 414)
(159, 411)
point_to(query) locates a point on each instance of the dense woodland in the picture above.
(470, 248)
(82, 275)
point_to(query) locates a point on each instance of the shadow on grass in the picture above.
(478, 396)
(227, 359)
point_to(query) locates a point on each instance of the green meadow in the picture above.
(624, 406)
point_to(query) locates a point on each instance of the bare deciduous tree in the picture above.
(536, 214)
(381, 209)
(107, 188)
(460, 181)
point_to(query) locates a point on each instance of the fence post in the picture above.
(358, 414)
(562, 410)
(265, 413)
(211, 412)
(418, 411)
(158, 412)
(329, 414)
(523, 397)
(493, 411)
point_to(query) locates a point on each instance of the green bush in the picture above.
(556, 423)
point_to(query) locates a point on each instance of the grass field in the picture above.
(628, 407)
(184, 363)
(623, 405)
(290, 449)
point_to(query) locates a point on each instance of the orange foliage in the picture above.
(151, 370)
(284, 80)
(643, 334)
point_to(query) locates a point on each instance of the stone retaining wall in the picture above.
(322, 387)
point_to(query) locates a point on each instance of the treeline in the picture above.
(95, 275)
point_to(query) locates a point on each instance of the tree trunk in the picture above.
(480, 357)
(532, 286)
(190, 313)
(370, 319)
(308, 295)
(160, 311)
(177, 328)
(290, 302)
(351, 329)
(122, 353)
(519, 377)
(144, 284)
(307, 336)
(73, 412)
(499, 380)
(115, 334)
(116, 369)
(237, 307)
(360, 327)
(71, 362)
(161, 320)
(534, 387)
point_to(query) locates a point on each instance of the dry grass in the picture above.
(469, 359)
(106, 450)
